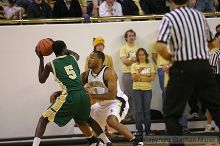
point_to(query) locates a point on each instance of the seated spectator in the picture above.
(83, 4)
(1, 13)
(154, 6)
(129, 7)
(67, 8)
(93, 7)
(24, 4)
(50, 2)
(110, 8)
(218, 8)
(11, 11)
(204, 5)
(39, 9)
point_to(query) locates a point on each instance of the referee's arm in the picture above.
(163, 50)
(211, 45)
(163, 37)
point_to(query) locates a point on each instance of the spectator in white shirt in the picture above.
(110, 8)
(11, 11)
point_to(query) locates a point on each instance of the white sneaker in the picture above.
(101, 144)
(140, 144)
(216, 130)
(195, 116)
(208, 128)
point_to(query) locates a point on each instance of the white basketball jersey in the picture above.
(96, 81)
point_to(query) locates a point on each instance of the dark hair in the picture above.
(58, 47)
(217, 34)
(100, 55)
(217, 26)
(126, 33)
(179, 2)
(145, 52)
(12, 1)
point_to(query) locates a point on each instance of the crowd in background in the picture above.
(18, 9)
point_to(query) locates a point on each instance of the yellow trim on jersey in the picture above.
(119, 104)
(61, 56)
(65, 56)
(50, 113)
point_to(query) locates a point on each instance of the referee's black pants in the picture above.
(187, 79)
(217, 78)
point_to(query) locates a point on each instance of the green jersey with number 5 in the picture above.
(74, 99)
(67, 73)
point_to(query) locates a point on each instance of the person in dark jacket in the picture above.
(154, 6)
(67, 8)
(39, 9)
(129, 8)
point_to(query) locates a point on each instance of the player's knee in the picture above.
(112, 121)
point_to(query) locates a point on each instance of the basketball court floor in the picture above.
(129, 144)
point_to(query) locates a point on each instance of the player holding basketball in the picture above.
(112, 105)
(73, 100)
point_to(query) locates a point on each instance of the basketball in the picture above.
(44, 46)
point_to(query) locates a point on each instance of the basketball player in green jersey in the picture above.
(73, 100)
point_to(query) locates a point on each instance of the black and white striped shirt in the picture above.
(187, 32)
(215, 61)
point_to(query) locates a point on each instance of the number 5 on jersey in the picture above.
(70, 72)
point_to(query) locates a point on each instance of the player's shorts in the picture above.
(118, 108)
(73, 105)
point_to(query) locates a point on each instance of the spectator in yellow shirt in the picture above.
(143, 73)
(128, 57)
(99, 45)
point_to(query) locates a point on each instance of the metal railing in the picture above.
(92, 19)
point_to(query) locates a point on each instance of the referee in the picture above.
(187, 32)
(215, 59)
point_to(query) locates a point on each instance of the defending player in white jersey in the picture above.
(112, 105)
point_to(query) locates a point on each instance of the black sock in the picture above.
(133, 140)
(136, 139)
(92, 140)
